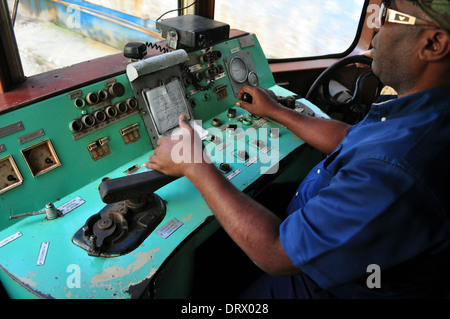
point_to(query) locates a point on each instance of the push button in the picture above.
(225, 167)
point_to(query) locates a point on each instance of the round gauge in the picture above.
(238, 70)
(253, 79)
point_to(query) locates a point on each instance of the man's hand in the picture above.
(264, 101)
(254, 228)
(176, 155)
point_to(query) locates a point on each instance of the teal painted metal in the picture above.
(67, 271)
(77, 167)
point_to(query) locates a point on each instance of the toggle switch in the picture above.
(247, 121)
(216, 122)
(231, 113)
(274, 133)
(231, 129)
(243, 155)
(259, 143)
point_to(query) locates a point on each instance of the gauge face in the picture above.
(9, 174)
(41, 158)
(238, 70)
(253, 79)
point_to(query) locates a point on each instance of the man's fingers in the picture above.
(184, 123)
(242, 104)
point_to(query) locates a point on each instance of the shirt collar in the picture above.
(436, 99)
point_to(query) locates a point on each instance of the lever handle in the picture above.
(246, 97)
(133, 186)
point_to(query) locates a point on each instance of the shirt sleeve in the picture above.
(371, 212)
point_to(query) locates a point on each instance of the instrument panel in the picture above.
(55, 154)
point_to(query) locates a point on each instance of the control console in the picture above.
(80, 217)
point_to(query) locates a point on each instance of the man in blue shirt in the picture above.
(371, 220)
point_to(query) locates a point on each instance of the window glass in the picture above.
(295, 28)
(52, 34)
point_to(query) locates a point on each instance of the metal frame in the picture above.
(11, 71)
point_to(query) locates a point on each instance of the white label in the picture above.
(223, 146)
(251, 161)
(195, 67)
(71, 205)
(10, 239)
(169, 228)
(235, 50)
(234, 174)
(42, 253)
(267, 149)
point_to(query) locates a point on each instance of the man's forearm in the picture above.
(322, 134)
(254, 228)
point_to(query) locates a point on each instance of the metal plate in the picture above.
(169, 228)
(11, 129)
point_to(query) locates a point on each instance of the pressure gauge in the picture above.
(253, 79)
(238, 69)
(9, 174)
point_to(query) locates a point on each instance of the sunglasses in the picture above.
(393, 16)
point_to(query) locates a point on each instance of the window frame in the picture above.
(18, 91)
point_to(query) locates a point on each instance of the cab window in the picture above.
(295, 28)
(52, 34)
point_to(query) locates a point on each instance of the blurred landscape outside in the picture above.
(285, 29)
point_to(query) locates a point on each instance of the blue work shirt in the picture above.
(381, 198)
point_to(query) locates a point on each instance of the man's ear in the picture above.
(436, 45)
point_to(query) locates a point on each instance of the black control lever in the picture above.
(132, 213)
(133, 186)
(246, 97)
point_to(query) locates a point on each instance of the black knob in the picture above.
(117, 89)
(246, 97)
(225, 167)
(231, 113)
(290, 102)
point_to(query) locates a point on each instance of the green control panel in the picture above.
(58, 239)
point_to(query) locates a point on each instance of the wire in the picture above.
(197, 85)
(155, 46)
(177, 9)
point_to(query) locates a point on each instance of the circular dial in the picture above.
(238, 69)
(253, 79)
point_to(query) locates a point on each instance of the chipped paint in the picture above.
(150, 275)
(115, 272)
(185, 219)
(69, 295)
(27, 281)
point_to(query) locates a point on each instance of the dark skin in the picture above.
(411, 58)
(407, 60)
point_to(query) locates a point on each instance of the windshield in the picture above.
(52, 34)
(295, 28)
